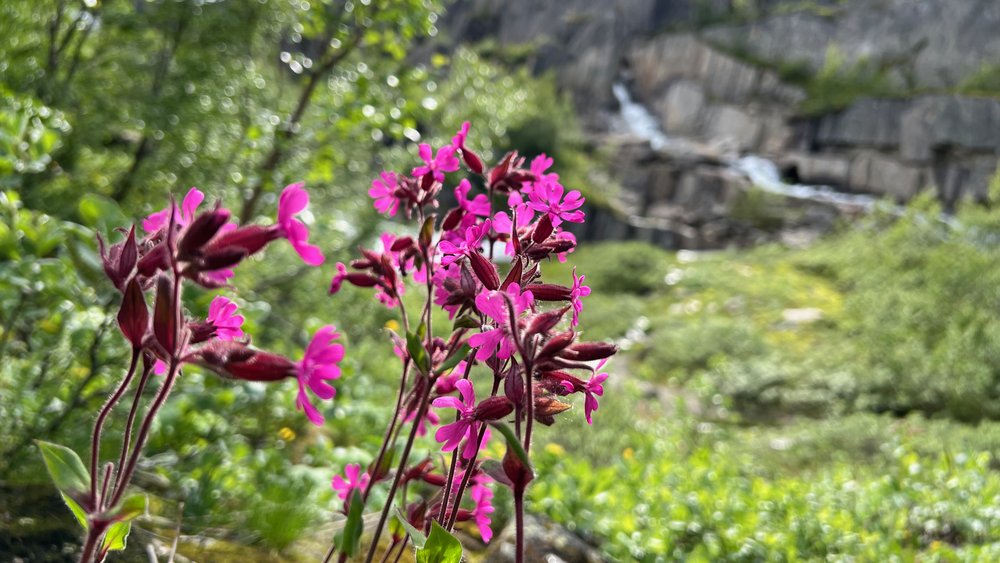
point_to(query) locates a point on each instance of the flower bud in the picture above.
(157, 258)
(202, 230)
(402, 243)
(472, 160)
(549, 292)
(513, 387)
(133, 317)
(514, 275)
(544, 322)
(240, 362)
(218, 259)
(361, 280)
(516, 471)
(251, 238)
(452, 219)
(588, 351)
(546, 407)
(164, 317)
(485, 270)
(556, 344)
(493, 408)
(542, 230)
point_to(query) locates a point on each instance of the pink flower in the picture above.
(472, 241)
(547, 197)
(430, 417)
(483, 497)
(499, 339)
(576, 292)
(185, 214)
(479, 205)
(565, 235)
(593, 389)
(539, 165)
(383, 190)
(458, 141)
(338, 278)
(293, 200)
(355, 480)
(222, 315)
(446, 383)
(466, 425)
(436, 165)
(317, 366)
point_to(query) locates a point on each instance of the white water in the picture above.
(762, 173)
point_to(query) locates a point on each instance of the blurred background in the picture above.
(792, 234)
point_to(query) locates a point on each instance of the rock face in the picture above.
(700, 91)
(543, 542)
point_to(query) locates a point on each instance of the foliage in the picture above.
(681, 489)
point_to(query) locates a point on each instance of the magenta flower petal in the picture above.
(319, 365)
(293, 200)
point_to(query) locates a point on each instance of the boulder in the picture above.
(868, 122)
(818, 169)
(877, 173)
(544, 541)
(931, 123)
(681, 108)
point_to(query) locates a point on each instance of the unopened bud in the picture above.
(133, 317)
(202, 230)
(543, 229)
(549, 292)
(472, 160)
(485, 271)
(588, 351)
(494, 408)
(544, 322)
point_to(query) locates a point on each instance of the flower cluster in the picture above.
(186, 244)
(512, 342)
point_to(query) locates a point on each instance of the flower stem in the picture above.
(399, 472)
(127, 437)
(519, 524)
(95, 443)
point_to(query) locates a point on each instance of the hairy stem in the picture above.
(95, 442)
(130, 423)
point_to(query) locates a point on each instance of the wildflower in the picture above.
(436, 165)
(293, 200)
(466, 425)
(494, 305)
(383, 190)
(592, 389)
(338, 278)
(458, 141)
(184, 216)
(355, 480)
(222, 315)
(547, 197)
(479, 205)
(472, 240)
(578, 290)
(539, 165)
(317, 366)
(563, 238)
(483, 497)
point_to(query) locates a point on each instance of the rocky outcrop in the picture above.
(885, 147)
(544, 541)
(932, 43)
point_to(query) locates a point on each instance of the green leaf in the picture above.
(130, 508)
(416, 536)
(116, 536)
(512, 442)
(65, 467)
(77, 511)
(466, 321)
(417, 352)
(101, 212)
(454, 360)
(441, 547)
(350, 539)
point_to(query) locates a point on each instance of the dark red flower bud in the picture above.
(251, 238)
(513, 387)
(452, 218)
(514, 275)
(549, 292)
(133, 317)
(516, 471)
(472, 160)
(157, 258)
(261, 366)
(589, 351)
(217, 259)
(542, 323)
(201, 331)
(494, 408)
(361, 280)
(164, 317)
(434, 479)
(485, 271)
(202, 230)
(402, 243)
(557, 344)
(467, 282)
(120, 259)
(542, 230)
(499, 172)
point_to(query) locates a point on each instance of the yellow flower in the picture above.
(391, 324)
(554, 449)
(286, 434)
(628, 454)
